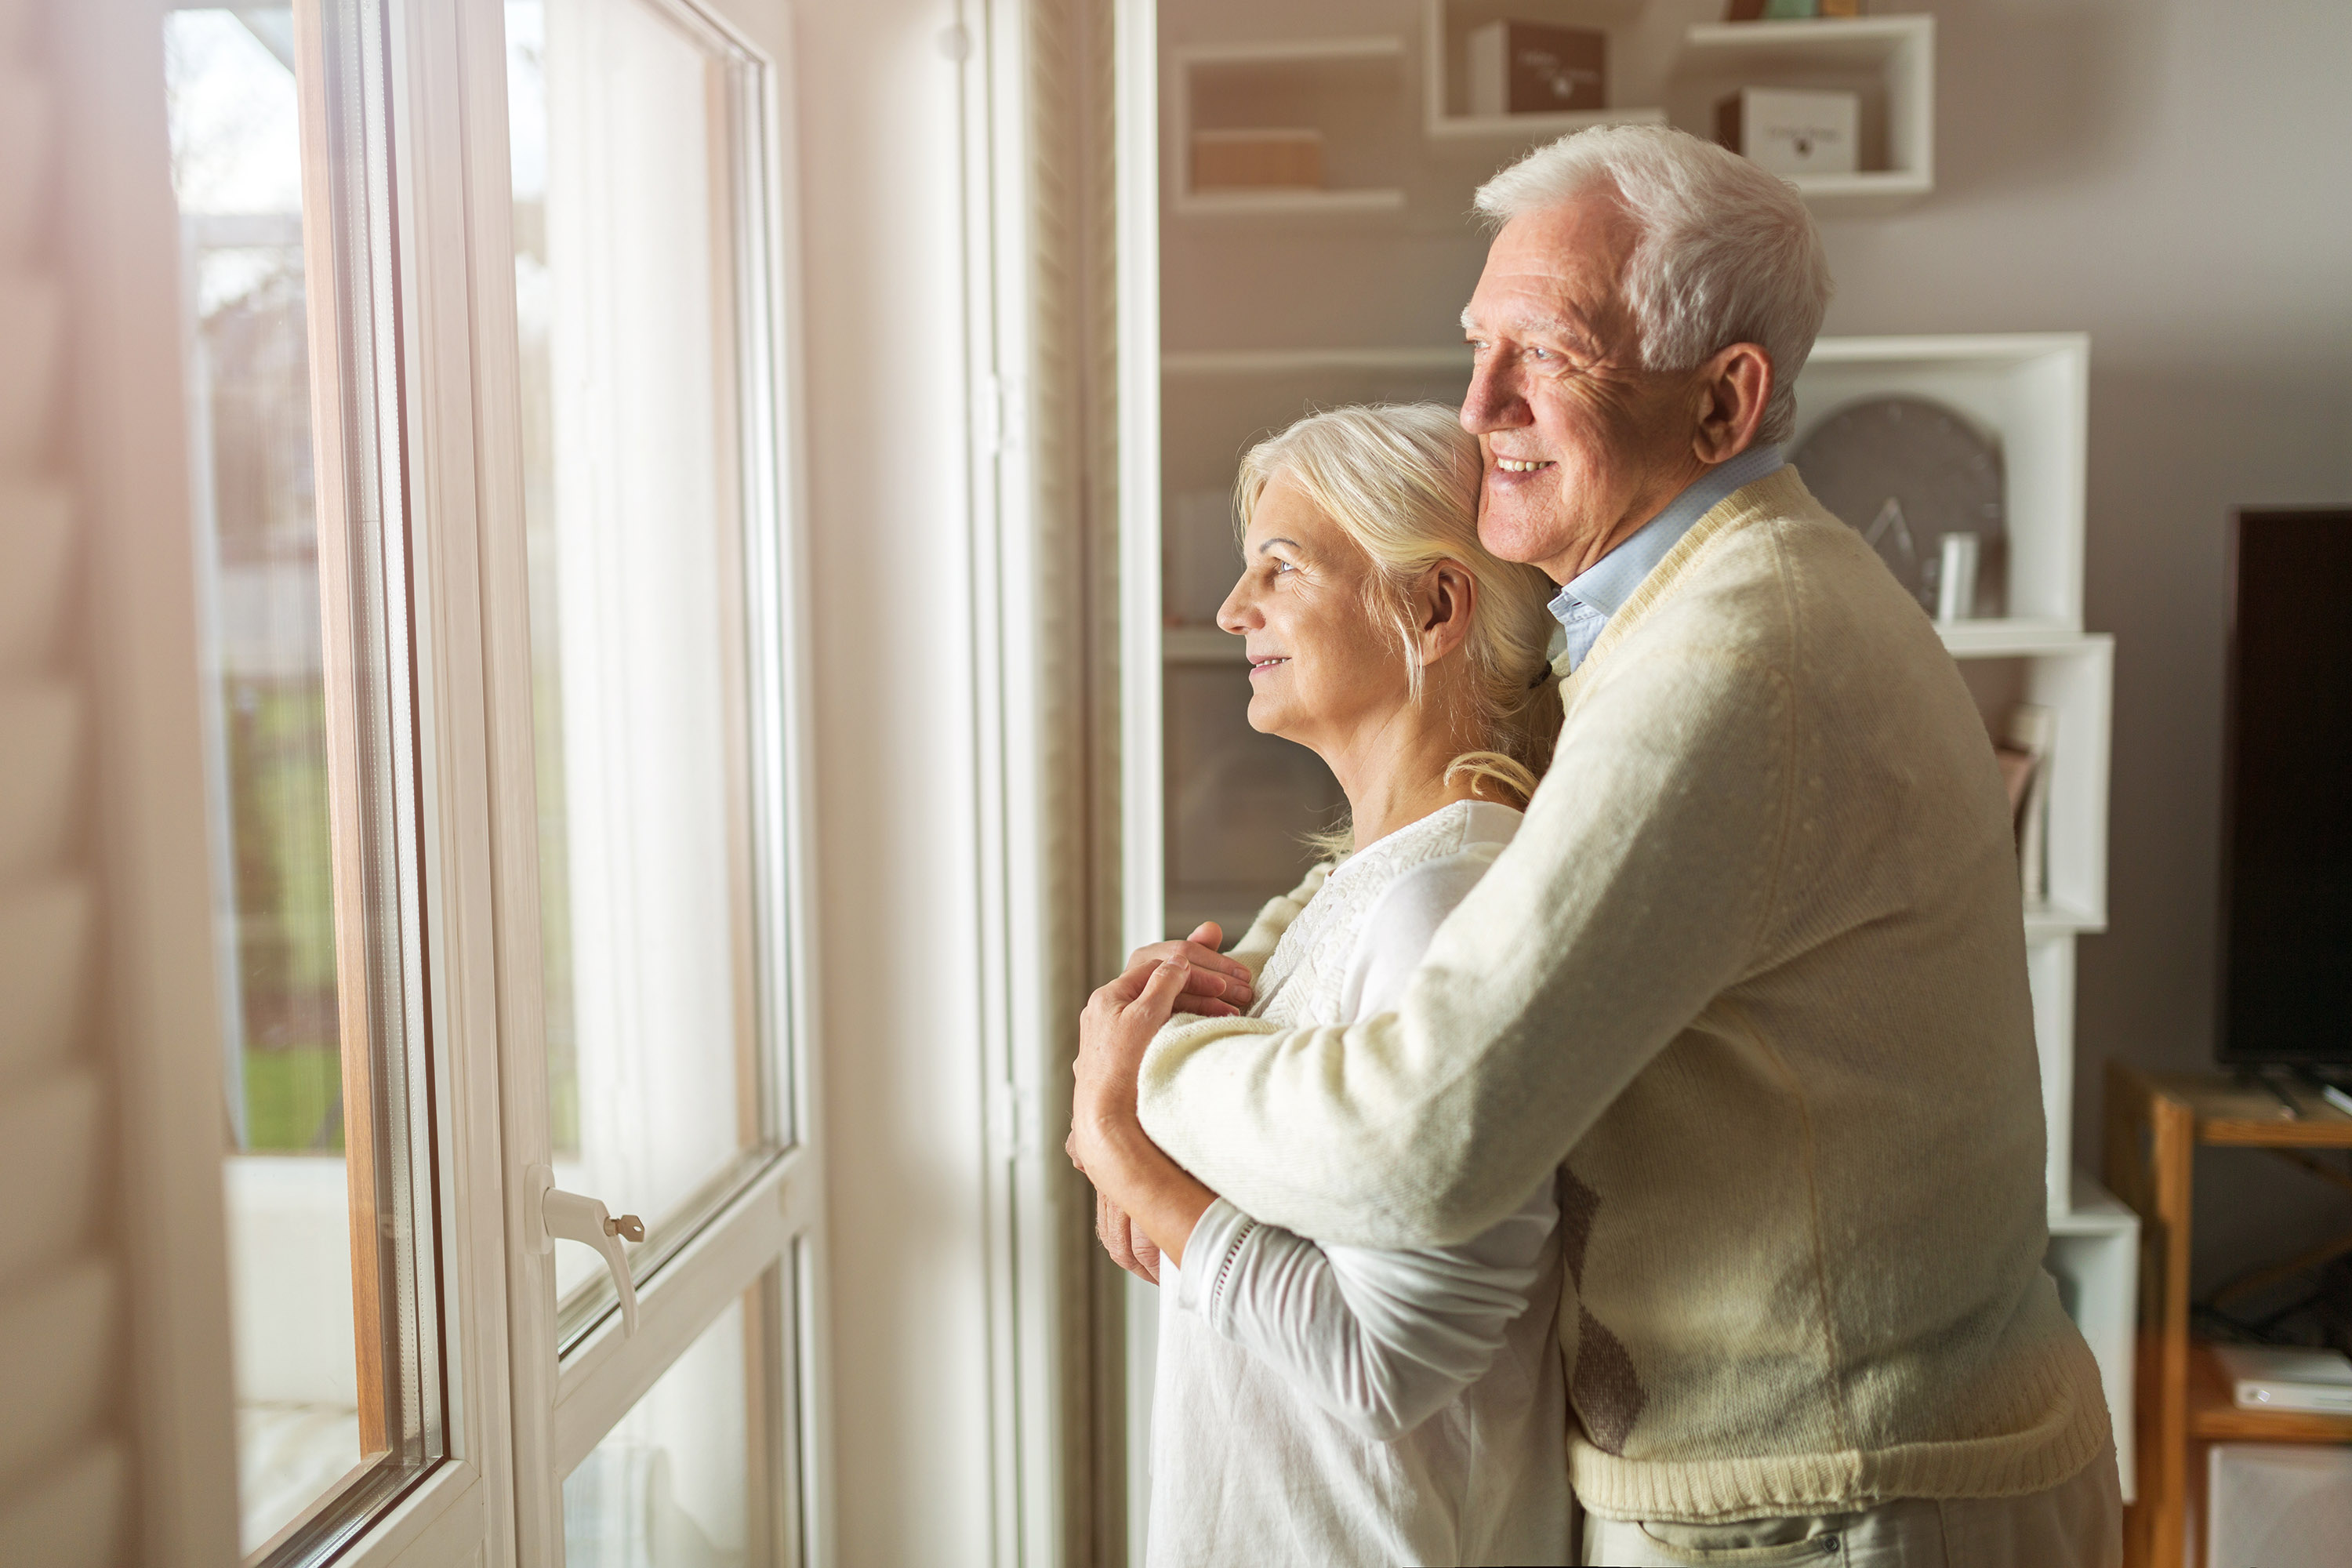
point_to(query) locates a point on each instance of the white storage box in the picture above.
(2278, 1505)
(1790, 132)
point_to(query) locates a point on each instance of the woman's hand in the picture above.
(1216, 987)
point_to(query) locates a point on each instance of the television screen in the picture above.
(2286, 794)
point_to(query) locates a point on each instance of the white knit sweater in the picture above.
(1754, 968)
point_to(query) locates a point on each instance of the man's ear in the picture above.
(1731, 391)
(1448, 597)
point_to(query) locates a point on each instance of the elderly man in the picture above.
(1752, 974)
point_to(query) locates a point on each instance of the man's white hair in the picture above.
(1728, 252)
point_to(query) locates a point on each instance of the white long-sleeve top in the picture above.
(1336, 1405)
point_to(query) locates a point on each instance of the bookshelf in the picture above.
(2031, 391)
(1349, 91)
(2094, 1246)
(1888, 61)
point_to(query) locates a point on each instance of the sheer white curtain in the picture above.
(645, 582)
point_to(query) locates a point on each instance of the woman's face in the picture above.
(1321, 671)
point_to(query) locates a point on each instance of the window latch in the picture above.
(569, 1216)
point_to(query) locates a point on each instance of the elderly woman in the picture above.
(1333, 1404)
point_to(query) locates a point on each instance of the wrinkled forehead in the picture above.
(1558, 268)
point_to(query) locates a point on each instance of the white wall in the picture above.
(2172, 176)
(896, 899)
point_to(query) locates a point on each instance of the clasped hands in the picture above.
(1107, 1139)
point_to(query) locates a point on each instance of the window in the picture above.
(663, 1057)
(486, 565)
(629, 126)
(282, 179)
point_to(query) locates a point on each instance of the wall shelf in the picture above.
(1289, 203)
(2214, 1416)
(2006, 638)
(2033, 391)
(2030, 392)
(1310, 362)
(2094, 1254)
(1349, 89)
(1527, 130)
(1443, 98)
(1889, 60)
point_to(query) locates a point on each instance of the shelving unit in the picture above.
(2155, 1125)
(1351, 88)
(2095, 1256)
(1445, 96)
(1889, 60)
(2032, 391)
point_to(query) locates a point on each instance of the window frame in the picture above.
(520, 1417)
(563, 1400)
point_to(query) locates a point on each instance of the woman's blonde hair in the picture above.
(1401, 480)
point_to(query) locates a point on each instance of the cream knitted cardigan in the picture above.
(1755, 968)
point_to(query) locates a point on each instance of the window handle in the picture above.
(569, 1216)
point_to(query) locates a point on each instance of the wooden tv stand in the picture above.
(2155, 1125)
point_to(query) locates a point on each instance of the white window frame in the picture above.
(561, 1408)
(518, 1420)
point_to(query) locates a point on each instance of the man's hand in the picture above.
(1216, 987)
(1114, 1032)
(1125, 1241)
(1131, 1175)
(1120, 1236)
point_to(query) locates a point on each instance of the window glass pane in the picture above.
(236, 164)
(627, 179)
(674, 1484)
(336, 1351)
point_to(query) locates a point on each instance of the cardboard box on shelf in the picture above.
(1288, 159)
(1526, 68)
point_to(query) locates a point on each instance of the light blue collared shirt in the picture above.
(1600, 590)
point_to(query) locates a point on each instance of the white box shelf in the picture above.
(1264, 362)
(1889, 60)
(2095, 1256)
(2075, 681)
(1350, 88)
(2033, 391)
(1446, 95)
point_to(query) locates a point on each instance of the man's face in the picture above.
(1582, 444)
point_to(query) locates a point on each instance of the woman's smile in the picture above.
(1259, 666)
